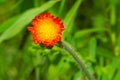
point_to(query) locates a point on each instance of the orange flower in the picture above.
(46, 29)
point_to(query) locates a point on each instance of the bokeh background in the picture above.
(92, 29)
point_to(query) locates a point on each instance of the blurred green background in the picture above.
(92, 28)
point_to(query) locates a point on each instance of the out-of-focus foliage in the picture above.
(92, 28)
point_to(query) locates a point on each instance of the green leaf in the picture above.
(61, 6)
(111, 70)
(78, 76)
(2, 1)
(87, 31)
(117, 76)
(24, 20)
(117, 45)
(71, 14)
(113, 16)
(92, 49)
(16, 5)
(36, 3)
(106, 53)
(98, 21)
(70, 17)
(7, 23)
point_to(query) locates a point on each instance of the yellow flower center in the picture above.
(47, 30)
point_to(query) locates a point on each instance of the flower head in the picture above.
(46, 29)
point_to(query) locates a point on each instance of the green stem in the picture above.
(78, 61)
(37, 73)
(37, 68)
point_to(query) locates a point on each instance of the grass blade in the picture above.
(7, 23)
(92, 49)
(87, 31)
(70, 17)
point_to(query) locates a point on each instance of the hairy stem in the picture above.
(78, 61)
